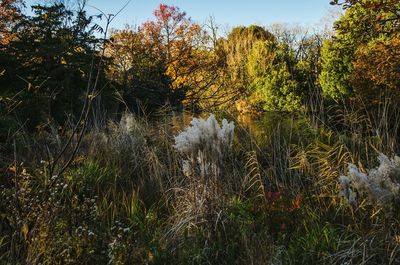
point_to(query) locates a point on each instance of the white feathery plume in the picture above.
(204, 144)
(380, 185)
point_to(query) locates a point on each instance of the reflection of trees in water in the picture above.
(262, 128)
(265, 124)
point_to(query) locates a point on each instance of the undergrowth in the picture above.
(134, 195)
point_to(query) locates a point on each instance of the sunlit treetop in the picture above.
(10, 13)
(165, 13)
(388, 10)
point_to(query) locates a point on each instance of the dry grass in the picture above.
(126, 199)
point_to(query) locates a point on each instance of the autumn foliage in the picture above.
(377, 65)
(99, 165)
(10, 13)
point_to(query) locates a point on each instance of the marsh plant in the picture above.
(204, 144)
(380, 186)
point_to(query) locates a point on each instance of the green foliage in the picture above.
(276, 88)
(243, 50)
(362, 23)
(260, 58)
(93, 177)
(337, 54)
(314, 244)
(336, 70)
(49, 63)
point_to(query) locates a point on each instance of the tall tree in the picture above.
(50, 61)
(237, 48)
(139, 70)
(165, 60)
(10, 14)
(364, 23)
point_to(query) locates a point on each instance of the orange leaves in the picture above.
(12, 169)
(165, 13)
(377, 65)
(171, 47)
(283, 201)
(9, 14)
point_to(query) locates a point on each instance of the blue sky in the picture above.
(226, 12)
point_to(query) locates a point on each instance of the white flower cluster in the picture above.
(206, 136)
(204, 143)
(380, 185)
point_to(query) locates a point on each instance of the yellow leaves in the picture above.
(78, 49)
(150, 256)
(2, 72)
(377, 64)
(63, 61)
(12, 169)
(25, 231)
(79, 160)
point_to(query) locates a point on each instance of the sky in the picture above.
(227, 13)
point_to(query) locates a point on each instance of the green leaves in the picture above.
(336, 70)
(363, 23)
(50, 59)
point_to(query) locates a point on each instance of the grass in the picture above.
(126, 200)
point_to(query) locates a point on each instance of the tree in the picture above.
(10, 14)
(390, 8)
(363, 23)
(275, 71)
(237, 48)
(49, 63)
(377, 67)
(336, 63)
(166, 60)
(186, 48)
(275, 86)
(138, 70)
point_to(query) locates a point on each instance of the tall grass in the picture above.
(128, 197)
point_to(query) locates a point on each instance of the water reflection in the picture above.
(258, 126)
